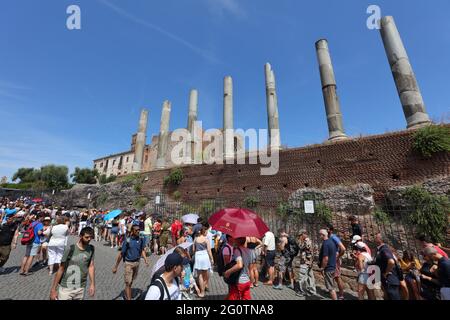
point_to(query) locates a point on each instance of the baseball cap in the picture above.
(360, 245)
(47, 219)
(356, 238)
(172, 260)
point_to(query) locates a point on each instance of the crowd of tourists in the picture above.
(190, 251)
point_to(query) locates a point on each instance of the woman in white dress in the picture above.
(203, 259)
(58, 240)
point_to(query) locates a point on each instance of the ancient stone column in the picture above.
(163, 136)
(228, 139)
(141, 137)
(332, 106)
(272, 109)
(192, 117)
(405, 80)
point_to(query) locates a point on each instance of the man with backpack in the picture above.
(32, 239)
(133, 248)
(76, 265)
(289, 250)
(167, 286)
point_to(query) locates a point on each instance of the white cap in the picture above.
(360, 245)
(356, 239)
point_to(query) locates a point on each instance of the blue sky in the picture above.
(68, 97)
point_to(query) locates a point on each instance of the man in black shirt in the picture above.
(385, 260)
(356, 227)
(443, 270)
(9, 233)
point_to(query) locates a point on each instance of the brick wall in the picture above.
(382, 161)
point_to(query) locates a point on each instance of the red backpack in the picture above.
(28, 235)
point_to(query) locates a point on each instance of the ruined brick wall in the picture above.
(382, 161)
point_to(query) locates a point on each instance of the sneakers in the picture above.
(299, 294)
(278, 287)
(291, 286)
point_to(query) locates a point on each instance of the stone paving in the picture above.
(110, 286)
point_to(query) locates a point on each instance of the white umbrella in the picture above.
(190, 218)
(161, 260)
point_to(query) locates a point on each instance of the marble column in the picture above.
(405, 80)
(228, 137)
(163, 136)
(331, 100)
(141, 137)
(192, 117)
(272, 109)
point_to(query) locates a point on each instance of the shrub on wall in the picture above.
(432, 139)
(176, 195)
(140, 202)
(430, 213)
(251, 202)
(174, 178)
(381, 217)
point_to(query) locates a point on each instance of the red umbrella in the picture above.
(37, 200)
(238, 223)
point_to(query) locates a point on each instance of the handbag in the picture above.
(234, 277)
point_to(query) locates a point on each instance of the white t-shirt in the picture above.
(59, 235)
(154, 292)
(269, 241)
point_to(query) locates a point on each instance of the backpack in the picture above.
(220, 258)
(158, 281)
(69, 257)
(294, 249)
(28, 235)
(234, 277)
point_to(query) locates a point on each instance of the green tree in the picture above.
(26, 175)
(54, 177)
(85, 175)
(103, 179)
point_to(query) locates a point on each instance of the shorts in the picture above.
(285, 264)
(363, 278)
(270, 258)
(114, 230)
(131, 272)
(70, 294)
(32, 249)
(329, 280)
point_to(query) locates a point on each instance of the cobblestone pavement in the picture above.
(110, 286)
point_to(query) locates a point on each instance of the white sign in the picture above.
(309, 206)
(158, 199)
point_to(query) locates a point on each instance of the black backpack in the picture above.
(220, 260)
(158, 281)
(234, 277)
(293, 249)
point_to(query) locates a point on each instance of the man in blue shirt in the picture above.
(8, 212)
(33, 248)
(133, 248)
(340, 253)
(327, 262)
